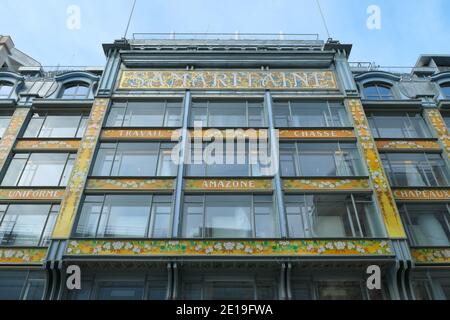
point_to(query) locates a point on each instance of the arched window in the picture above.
(5, 90)
(76, 90)
(378, 91)
(446, 90)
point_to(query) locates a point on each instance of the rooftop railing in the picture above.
(226, 36)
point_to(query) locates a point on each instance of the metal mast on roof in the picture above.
(323, 18)
(129, 19)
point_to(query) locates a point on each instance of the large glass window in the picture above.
(398, 125)
(121, 286)
(145, 114)
(310, 114)
(229, 216)
(431, 285)
(136, 159)
(232, 113)
(125, 216)
(446, 90)
(76, 91)
(415, 169)
(54, 125)
(21, 285)
(427, 224)
(229, 160)
(320, 159)
(378, 91)
(5, 118)
(337, 288)
(332, 216)
(228, 288)
(5, 90)
(39, 169)
(27, 224)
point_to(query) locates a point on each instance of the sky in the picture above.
(49, 31)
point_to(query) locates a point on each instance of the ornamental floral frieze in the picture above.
(431, 255)
(306, 134)
(440, 128)
(228, 80)
(377, 175)
(78, 178)
(249, 248)
(393, 145)
(20, 256)
(229, 185)
(319, 184)
(47, 145)
(9, 137)
(129, 184)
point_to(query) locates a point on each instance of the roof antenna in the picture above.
(129, 20)
(323, 19)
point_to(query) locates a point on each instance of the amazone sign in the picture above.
(230, 79)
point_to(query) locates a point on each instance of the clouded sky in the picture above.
(408, 27)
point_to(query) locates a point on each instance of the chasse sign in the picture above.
(230, 79)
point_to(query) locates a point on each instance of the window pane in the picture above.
(339, 290)
(161, 215)
(227, 114)
(125, 216)
(264, 220)
(43, 169)
(5, 90)
(193, 220)
(120, 290)
(225, 219)
(136, 159)
(116, 115)
(11, 284)
(144, 114)
(89, 217)
(60, 127)
(428, 225)
(14, 171)
(23, 224)
(33, 128)
(229, 290)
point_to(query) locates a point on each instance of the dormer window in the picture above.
(378, 91)
(446, 90)
(76, 91)
(6, 89)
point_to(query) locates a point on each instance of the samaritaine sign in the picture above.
(229, 79)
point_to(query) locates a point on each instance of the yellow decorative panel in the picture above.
(77, 181)
(440, 127)
(11, 133)
(231, 185)
(229, 79)
(128, 184)
(19, 256)
(401, 145)
(47, 145)
(422, 194)
(431, 255)
(297, 134)
(229, 248)
(31, 194)
(139, 134)
(380, 183)
(300, 185)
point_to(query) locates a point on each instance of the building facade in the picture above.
(361, 179)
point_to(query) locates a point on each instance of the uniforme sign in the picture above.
(229, 79)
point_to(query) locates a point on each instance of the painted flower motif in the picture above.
(218, 246)
(321, 249)
(239, 246)
(209, 250)
(329, 245)
(173, 243)
(228, 245)
(259, 247)
(198, 247)
(19, 254)
(74, 243)
(284, 243)
(128, 245)
(9, 253)
(360, 249)
(107, 246)
(117, 245)
(136, 250)
(310, 247)
(340, 245)
(350, 245)
(69, 250)
(248, 250)
(383, 244)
